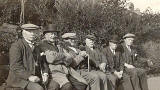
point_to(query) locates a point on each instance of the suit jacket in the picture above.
(96, 57)
(114, 62)
(58, 58)
(129, 57)
(58, 63)
(76, 57)
(23, 63)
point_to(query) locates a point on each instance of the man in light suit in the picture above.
(27, 69)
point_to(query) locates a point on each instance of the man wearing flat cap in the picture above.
(115, 65)
(129, 53)
(76, 55)
(27, 70)
(89, 67)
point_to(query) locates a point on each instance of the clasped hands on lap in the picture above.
(119, 74)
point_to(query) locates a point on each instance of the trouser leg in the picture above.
(126, 82)
(143, 79)
(112, 80)
(92, 78)
(104, 80)
(34, 86)
(76, 84)
(134, 78)
(67, 86)
(52, 85)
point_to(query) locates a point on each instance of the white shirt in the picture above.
(128, 47)
(30, 44)
(113, 51)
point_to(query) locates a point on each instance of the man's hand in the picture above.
(118, 74)
(83, 53)
(45, 77)
(128, 65)
(102, 67)
(34, 79)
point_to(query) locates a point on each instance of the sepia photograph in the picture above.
(79, 44)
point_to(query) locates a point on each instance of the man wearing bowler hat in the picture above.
(129, 53)
(58, 61)
(27, 71)
(115, 65)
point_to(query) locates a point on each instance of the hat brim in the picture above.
(128, 37)
(114, 41)
(49, 31)
(30, 29)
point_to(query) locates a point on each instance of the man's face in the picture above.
(89, 43)
(71, 41)
(129, 41)
(112, 45)
(30, 35)
(51, 36)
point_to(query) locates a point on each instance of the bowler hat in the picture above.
(129, 35)
(50, 28)
(29, 27)
(114, 39)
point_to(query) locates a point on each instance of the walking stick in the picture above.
(88, 63)
(43, 83)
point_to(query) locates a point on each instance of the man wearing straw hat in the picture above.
(25, 62)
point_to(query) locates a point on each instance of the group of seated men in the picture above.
(49, 65)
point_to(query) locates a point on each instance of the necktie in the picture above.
(31, 46)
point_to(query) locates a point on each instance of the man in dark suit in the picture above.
(90, 68)
(129, 53)
(115, 65)
(27, 69)
(59, 61)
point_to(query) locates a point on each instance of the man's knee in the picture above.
(67, 86)
(34, 86)
(102, 76)
(52, 85)
(94, 78)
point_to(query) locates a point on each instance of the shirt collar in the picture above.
(29, 42)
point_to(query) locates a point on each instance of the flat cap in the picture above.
(129, 35)
(92, 37)
(30, 27)
(69, 35)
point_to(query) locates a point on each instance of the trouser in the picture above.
(125, 82)
(34, 86)
(52, 85)
(112, 81)
(67, 86)
(97, 80)
(76, 84)
(138, 78)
